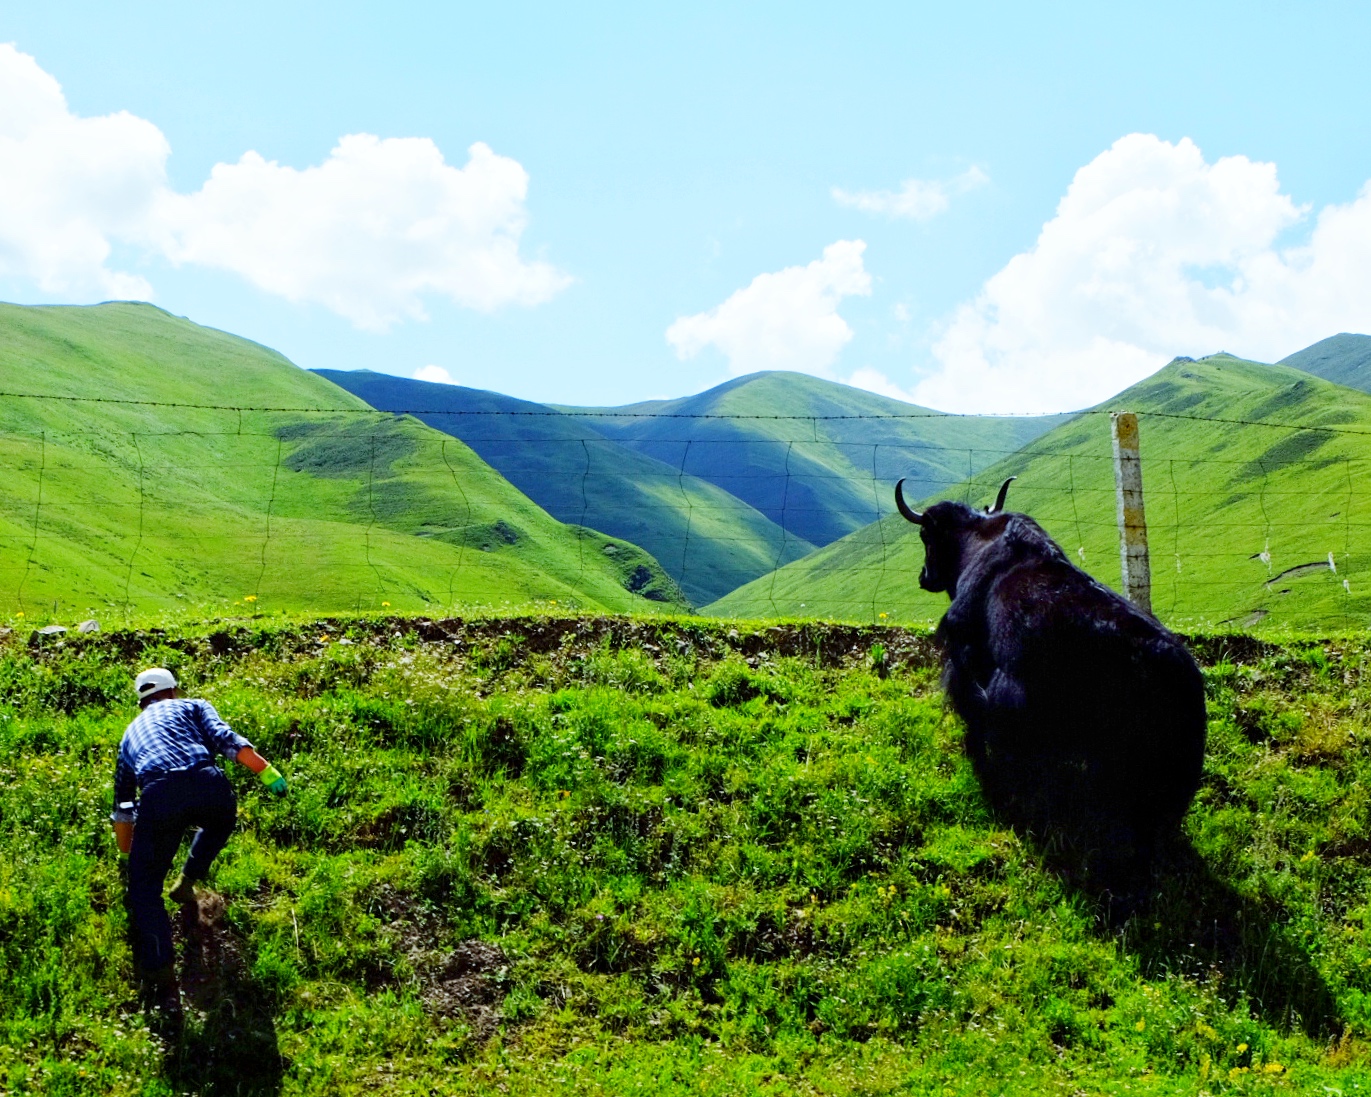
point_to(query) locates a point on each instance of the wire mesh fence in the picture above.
(1251, 522)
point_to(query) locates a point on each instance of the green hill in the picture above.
(709, 541)
(1242, 518)
(817, 458)
(1343, 359)
(159, 500)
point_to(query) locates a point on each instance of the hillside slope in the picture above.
(709, 541)
(1243, 519)
(1343, 359)
(146, 505)
(816, 457)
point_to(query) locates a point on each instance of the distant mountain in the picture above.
(125, 488)
(709, 541)
(1343, 359)
(1243, 519)
(816, 457)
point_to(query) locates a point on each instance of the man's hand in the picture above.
(268, 774)
(271, 777)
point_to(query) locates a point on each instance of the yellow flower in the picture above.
(385, 603)
(249, 598)
(695, 962)
(1242, 1048)
(1140, 1025)
(20, 613)
(1272, 1068)
(882, 615)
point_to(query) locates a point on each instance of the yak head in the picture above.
(949, 531)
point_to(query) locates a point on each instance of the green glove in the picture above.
(271, 777)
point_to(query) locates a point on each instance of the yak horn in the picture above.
(999, 499)
(909, 512)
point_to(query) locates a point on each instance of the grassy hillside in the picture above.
(136, 507)
(1242, 519)
(546, 857)
(820, 478)
(1343, 359)
(709, 541)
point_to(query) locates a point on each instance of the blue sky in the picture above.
(672, 159)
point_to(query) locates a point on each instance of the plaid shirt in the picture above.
(175, 734)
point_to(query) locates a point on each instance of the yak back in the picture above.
(1055, 664)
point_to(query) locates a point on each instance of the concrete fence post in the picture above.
(1137, 572)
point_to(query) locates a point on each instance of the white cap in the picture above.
(153, 680)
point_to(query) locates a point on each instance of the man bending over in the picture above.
(167, 754)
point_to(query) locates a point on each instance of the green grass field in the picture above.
(119, 510)
(1242, 519)
(561, 856)
(708, 540)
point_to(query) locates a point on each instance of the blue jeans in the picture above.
(202, 799)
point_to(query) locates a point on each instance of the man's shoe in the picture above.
(163, 994)
(183, 891)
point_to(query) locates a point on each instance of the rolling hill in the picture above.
(128, 486)
(816, 457)
(1343, 359)
(709, 541)
(1254, 481)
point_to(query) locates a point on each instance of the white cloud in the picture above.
(787, 319)
(71, 186)
(916, 200)
(370, 233)
(437, 374)
(1153, 252)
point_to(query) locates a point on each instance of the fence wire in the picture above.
(1250, 521)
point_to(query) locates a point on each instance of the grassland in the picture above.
(709, 541)
(1343, 359)
(544, 856)
(1243, 519)
(164, 502)
(816, 457)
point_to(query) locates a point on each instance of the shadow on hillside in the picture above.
(228, 1042)
(1192, 923)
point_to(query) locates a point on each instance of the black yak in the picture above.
(1085, 718)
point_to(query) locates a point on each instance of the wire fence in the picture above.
(130, 507)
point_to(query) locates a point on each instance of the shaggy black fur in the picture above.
(1085, 717)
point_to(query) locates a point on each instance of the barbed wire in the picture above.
(714, 518)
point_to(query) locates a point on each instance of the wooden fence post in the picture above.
(1137, 572)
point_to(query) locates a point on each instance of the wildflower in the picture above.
(249, 598)
(1140, 1025)
(1242, 1048)
(1273, 1068)
(1309, 856)
(695, 962)
(882, 614)
(20, 613)
(385, 603)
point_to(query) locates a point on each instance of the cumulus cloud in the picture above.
(787, 319)
(368, 233)
(916, 200)
(437, 374)
(71, 187)
(371, 233)
(1153, 252)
